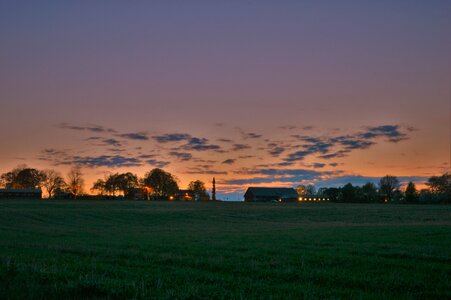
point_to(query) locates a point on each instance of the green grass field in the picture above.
(117, 250)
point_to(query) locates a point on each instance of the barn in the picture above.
(267, 194)
(21, 193)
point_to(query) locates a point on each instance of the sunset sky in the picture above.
(254, 93)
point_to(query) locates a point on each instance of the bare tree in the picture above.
(387, 187)
(75, 181)
(52, 182)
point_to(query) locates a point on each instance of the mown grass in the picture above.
(117, 250)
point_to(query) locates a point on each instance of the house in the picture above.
(266, 194)
(20, 193)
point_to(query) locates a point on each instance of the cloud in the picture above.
(238, 147)
(340, 146)
(200, 144)
(101, 141)
(356, 144)
(246, 156)
(319, 165)
(225, 140)
(252, 135)
(172, 137)
(207, 172)
(147, 156)
(338, 154)
(248, 135)
(135, 136)
(92, 128)
(51, 152)
(183, 156)
(229, 161)
(106, 161)
(63, 157)
(157, 163)
(275, 149)
(191, 143)
(392, 132)
(112, 142)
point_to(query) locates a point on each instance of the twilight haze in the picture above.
(253, 93)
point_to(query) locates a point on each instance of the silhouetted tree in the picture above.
(162, 183)
(305, 190)
(321, 191)
(29, 179)
(411, 193)
(387, 187)
(126, 182)
(22, 178)
(310, 189)
(111, 186)
(332, 193)
(75, 182)
(369, 192)
(52, 181)
(100, 187)
(113, 183)
(200, 192)
(348, 193)
(439, 190)
(300, 189)
(440, 184)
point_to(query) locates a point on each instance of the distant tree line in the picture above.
(388, 190)
(156, 184)
(160, 184)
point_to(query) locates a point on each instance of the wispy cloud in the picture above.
(92, 128)
(229, 161)
(191, 142)
(340, 146)
(391, 132)
(238, 147)
(112, 142)
(106, 161)
(172, 137)
(183, 156)
(275, 149)
(135, 136)
(200, 144)
(157, 163)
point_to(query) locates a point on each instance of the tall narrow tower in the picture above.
(213, 191)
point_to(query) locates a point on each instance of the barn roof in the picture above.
(272, 192)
